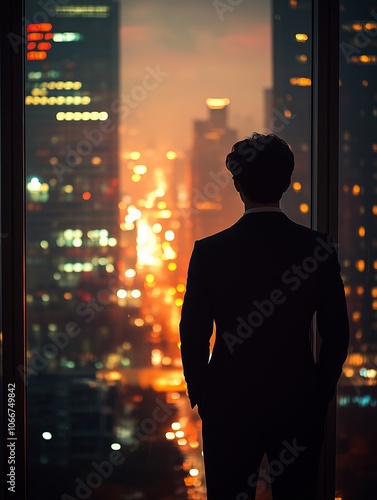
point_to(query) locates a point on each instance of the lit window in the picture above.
(96, 160)
(300, 81)
(360, 265)
(364, 59)
(356, 315)
(301, 37)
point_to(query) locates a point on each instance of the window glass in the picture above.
(131, 108)
(357, 394)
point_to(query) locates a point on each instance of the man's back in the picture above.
(261, 281)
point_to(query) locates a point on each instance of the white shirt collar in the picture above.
(262, 209)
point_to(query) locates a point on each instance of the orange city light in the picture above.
(35, 36)
(36, 56)
(40, 27)
(44, 46)
(301, 37)
(217, 102)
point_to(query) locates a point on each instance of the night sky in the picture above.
(209, 51)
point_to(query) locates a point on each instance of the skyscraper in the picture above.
(215, 204)
(357, 398)
(358, 161)
(290, 116)
(72, 174)
(357, 140)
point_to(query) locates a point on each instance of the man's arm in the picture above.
(196, 327)
(333, 328)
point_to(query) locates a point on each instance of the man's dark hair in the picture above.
(263, 166)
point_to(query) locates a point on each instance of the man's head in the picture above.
(261, 166)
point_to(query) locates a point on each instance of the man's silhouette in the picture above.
(256, 286)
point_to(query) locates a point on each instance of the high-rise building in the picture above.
(357, 140)
(358, 163)
(71, 84)
(290, 114)
(215, 205)
(357, 398)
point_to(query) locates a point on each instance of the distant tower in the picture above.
(215, 205)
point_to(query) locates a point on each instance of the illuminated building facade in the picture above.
(215, 204)
(357, 390)
(358, 167)
(72, 178)
(290, 115)
(357, 122)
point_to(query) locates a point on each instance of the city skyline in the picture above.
(202, 53)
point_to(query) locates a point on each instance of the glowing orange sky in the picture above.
(205, 55)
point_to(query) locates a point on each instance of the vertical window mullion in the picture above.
(12, 250)
(324, 214)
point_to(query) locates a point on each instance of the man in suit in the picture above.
(256, 286)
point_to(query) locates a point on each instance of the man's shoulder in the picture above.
(284, 226)
(219, 237)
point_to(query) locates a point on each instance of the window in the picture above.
(130, 109)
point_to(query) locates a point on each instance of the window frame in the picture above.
(325, 181)
(13, 240)
(324, 213)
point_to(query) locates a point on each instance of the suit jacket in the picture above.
(256, 287)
